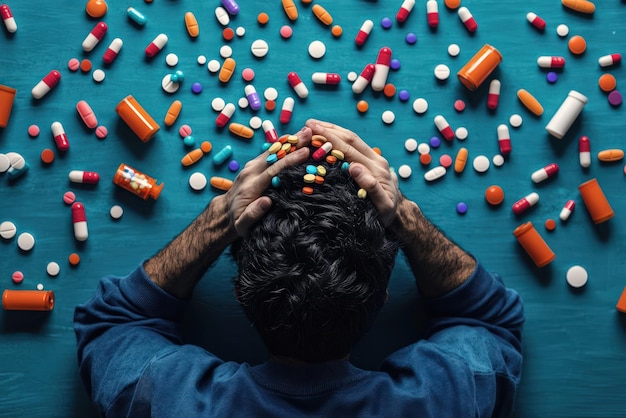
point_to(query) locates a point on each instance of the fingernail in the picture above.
(356, 171)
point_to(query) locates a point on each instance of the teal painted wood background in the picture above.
(574, 341)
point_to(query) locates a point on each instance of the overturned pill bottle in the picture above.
(7, 96)
(479, 67)
(533, 244)
(28, 300)
(565, 116)
(595, 201)
(137, 182)
(137, 119)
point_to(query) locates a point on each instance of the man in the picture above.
(313, 273)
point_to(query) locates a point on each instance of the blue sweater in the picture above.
(134, 363)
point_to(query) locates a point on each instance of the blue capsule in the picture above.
(136, 16)
(222, 155)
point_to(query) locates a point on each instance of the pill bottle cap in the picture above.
(578, 96)
(522, 229)
(155, 190)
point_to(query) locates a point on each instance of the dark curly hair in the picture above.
(313, 273)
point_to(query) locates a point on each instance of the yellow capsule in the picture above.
(530, 102)
(610, 155)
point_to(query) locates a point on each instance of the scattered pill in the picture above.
(168, 85)
(362, 106)
(577, 45)
(545, 173)
(73, 64)
(562, 30)
(116, 212)
(214, 66)
(240, 31)
(530, 102)
(96, 34)
(552, 77)
(581, 6)
(96, 8)
(442, 72)
(576, 276)
(611, 155)
(25, 241)
(493, 96)
(425, 159)
(608, 60)
(432, 13)
(47, 156)
(461, 133)
(460, 160)
(388, 117)
(317, 49)
(420, 106)
(461, 208)
(434, 173)
(504, 139)
(567, 210)
(584, 151)
(615, 98)
(454, 50)
(459, 105)
(389, 90)
(515, 120)
(46, 84)
(545, 61)
(270, 93)
(410, 38)
(197, 181)
(445, 161)
(404, 171)
(525, 203)
(73, 259)
(444, 127)
(298, 86)
(286, 31)
(69, 197)
(259, 48)
(53, 269)
(5, 163)
(498, 160)
(171, 59)
(550, 224)
(185, 130)
(536, 21)
(84, 177)
(17, 277)
(404, 95)
(85, 65)
(156, 45)
(87, 114)
(386, 23)
(607, 82)
(468, 19)
(7, 230)
(494, 195)
(481, 163)
(410, 145)
(381, 69)
(136, 16)
(79, 221)
(33, 131)
(196, 88)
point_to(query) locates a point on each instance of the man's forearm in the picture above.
(438, 264)
(179, 266)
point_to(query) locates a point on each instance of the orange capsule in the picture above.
(192, 25)
(227, 70)
(173, 112)
(221, 183)
(322, 14)
(192, 157)
(241, 130)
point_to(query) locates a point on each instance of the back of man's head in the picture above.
(313, 273)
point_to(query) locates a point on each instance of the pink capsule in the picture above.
(84, 177)
(224, 117)
(536, 21)
(287, 110)
(584, 151)
(405, 10)
(156, 45)
(321, 152)
(551, 62)
(112, 51)
(545, 173)
(432, 13)
(96, 34)
(326, 78)
(363, 79)
(87, 114)
(444, 127)
(525, 203)
(567, 210)
(46, 84)
(364, 32)
(79, 219)
(383, 61)
(7, 18)
(504, 139)
(60, 137)
(298, 86)
(468, 20)
(494, 94)
(608, 60)
(270, 133)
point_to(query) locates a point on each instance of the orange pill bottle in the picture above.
(137, 119)
(28, 300)
(137, 182)
(535, 246)
(479, 67)
(7, 96)
(595, 201)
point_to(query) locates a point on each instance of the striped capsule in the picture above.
(270, 132)
(536, 21)
(551, 62)
(493, 98)
(364, 32)
(405, 10)
(444, 127)
(326, 78)
(468, 19)
(432, 13)
(286, 110)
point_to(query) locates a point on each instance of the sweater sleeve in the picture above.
(471, 358)
(128, 322)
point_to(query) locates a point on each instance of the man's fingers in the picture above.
(253, 212)
(381, 198)
(352, 146)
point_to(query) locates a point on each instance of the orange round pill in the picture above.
(96, 8)
(389, 90)
(425, 159)
(307, 190)
(362, 106)
(377, 151)
(577, 44)
(452, 4)
(607, 82)
(206, 146)
(47, 156)
(336, 31)
(74, 259)
(550, 224)
(270, 105)
(228, 34)
(331, 159)
(307, 1)
(263, 18)
(85, 65)
(494, 195)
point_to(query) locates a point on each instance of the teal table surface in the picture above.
(574, 340)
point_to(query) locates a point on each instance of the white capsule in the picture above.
(435, 173)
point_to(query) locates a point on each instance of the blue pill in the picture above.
(404, 95)
(275, 181)
(386, 23)
(461, 208)
(136, 16)
(435, 142)
(345, 165)
(394, 64)
(311, 169)
(196, 88)
(265, 146)
(552, 77)
(271, 159)
(233, 166)
(410, 38)
(189, 141)
(223, 155)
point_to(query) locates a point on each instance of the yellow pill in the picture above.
(192, 157)
(581, 6)
(530, 102)
(285, 147)
(227, 70)
(192, 25)
(241, 130)
(610, 155)
(292, 139)
(173, 112)
(290, 9)
(362, 193)
(321, 138)
(322, 14)
(337, 154)
(309, 178)
(274, 148)
(461, 160)
(321, 170)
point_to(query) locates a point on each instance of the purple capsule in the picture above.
(231, 6)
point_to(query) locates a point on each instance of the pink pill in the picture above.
(33, 130)
(73, 64)
(459, 105)
(286, 31)
(17, 276)
(184, 131)
(247, 74)
(69, 198)
(102, 132)
(445, 161)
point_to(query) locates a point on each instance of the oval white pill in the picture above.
(5, 163)
(197, 181)
(404, 171)
(435, 173)
(388, 117)
(98, 75)
(25, 241)
(116, 211)
(217, 104)
(7, 230)
(168, 85)
(317, 49)
(481, 164)
(214, 66)
(410, 144)
(259, 48)
(171, 59)
(420, 106)
(442, 72)
(576, 276)
(53, 269)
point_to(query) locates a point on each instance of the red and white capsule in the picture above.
(383, 62)
(405, 10)
(504, 139)
(536, 21)
(321, 152)
(7, 18)
(224, 116)
(493, 98)
(156, 45)
(84, 177)
(584, 151)
(468, 20)
(326, 78)
(298, 86)
(46, 84)
(111, 53)
(545, 173)
(286, 110)
(96, 34)
(364, 32)
(608, 60)
(60, 137)
(444, 128)
(432, 13)
(525, 203)
(567, 210)
(551, 62)
(270, 132)
(79, 219)
(363, 79)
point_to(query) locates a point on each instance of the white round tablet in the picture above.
(5, 163)
(562, 30)
(168, 85)
(39, 286)
(388, 117)
(255, 122)
(420, 106)
(410, 144)
(481, 164)
(423, 148)
(171, 59)
(454, 50)
(498, 160)
(242, 102)
(404, 171)
(214, 66)
(201, 60)
(116, 211)
(270, 93)
(317, 49)
(7, 230)
(197, 181)
(259, 48)
(515, 120)
(98, 75)
(25, 241)
(226, 51)
(576, 276)
(217, 104)
(53, 269)
(352, 76)
(240, 31)
(461, 133)
(442, 72)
